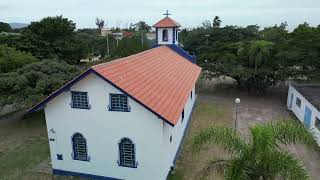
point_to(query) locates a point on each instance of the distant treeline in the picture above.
(38, 59)
(257, 58)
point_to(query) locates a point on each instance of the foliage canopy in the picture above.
(260, 156)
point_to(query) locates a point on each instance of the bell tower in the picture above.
(167, 31)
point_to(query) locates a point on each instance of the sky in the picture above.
(189, 13)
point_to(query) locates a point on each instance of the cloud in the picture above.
(189, 13)
(4, 7)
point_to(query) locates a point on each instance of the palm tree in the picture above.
(260, 156)
(259, 52)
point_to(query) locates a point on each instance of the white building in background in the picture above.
(124, 119)
(304, 102)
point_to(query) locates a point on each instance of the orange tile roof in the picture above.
(158, 78)
(166, 22)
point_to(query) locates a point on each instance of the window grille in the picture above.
(79, 147)
(80, 100)
(127, 153)
(119, 102)
(298, 102)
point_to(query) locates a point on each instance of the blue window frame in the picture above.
(298, 102)
(119, 102)
(79, 146)
(127, 153)
(79, 100)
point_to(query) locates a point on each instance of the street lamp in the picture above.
(237, 101)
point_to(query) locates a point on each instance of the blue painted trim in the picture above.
(59, 157)
(173, 36)
(182, 53)
(157, 41)
(91, 176)
(83, 75)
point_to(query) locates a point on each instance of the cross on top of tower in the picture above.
(167, 13)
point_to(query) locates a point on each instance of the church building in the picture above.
(124, 119)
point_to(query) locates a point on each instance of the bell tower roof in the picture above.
(167, 31)
(166, 22)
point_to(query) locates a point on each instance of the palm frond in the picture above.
(239, 169)
(291, 132)
(226, 138)
(263, 139)
(288, 166)
(217, 166)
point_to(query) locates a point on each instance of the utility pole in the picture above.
(108, 50)
(142, 39)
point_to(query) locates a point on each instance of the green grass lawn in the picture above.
(206, 113)
(17, 162)
(23, 145)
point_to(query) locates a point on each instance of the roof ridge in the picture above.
(124, 58)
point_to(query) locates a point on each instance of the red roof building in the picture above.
(132, 113)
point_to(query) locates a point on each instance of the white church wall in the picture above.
(177, 133)
(300, 111)
(103, 130)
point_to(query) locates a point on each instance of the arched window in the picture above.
(127, 153)
(165, 35)
(79, 146)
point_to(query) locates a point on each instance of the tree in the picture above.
(5, 27)
(259, 53)
(260, 156)
(34, 81)
(216, 22)
(206, 25)
(50, 38)
(100, 24)
(11, 59)
(142, 27)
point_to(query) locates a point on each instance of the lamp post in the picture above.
(237, 101)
